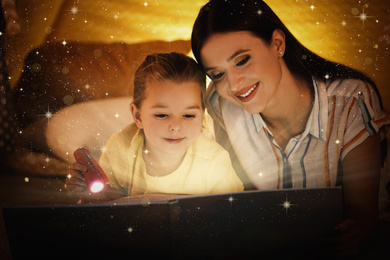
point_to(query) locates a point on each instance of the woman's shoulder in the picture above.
(348, 87)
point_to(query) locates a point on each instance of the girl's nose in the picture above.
(175, 129)
(175, 125)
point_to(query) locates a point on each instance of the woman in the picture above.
(289, 118)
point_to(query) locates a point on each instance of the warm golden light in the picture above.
(352, 33)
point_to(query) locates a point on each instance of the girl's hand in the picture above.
(75, 181)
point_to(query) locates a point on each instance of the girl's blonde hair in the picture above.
(167, 66)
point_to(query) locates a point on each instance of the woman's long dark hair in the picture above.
(257, 17)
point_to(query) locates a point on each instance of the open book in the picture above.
(243, 224)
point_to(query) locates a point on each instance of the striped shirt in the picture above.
(344, 114)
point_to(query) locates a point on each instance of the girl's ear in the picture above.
(136, 115)
(279, 41)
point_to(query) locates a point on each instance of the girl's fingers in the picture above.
(79, 167)
(75, 181)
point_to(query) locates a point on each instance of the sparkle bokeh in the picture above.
(352, 32)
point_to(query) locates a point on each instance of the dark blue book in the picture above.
(229, 225)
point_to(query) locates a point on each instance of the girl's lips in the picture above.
(248, 93)
(174, 140)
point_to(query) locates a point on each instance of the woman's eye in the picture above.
(243, 61)
(188, 116)
(161, 115)
(217, 76)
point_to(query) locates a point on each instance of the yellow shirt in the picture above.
(206, 167)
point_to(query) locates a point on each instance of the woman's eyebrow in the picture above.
(230, 58)
(236, 54)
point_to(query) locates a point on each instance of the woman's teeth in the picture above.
(249, 91)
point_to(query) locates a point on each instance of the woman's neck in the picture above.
(290, 111)
(161, 164)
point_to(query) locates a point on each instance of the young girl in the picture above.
(289, 118)
(164, 151)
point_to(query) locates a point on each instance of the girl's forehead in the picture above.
(171, 85)
(168, 89)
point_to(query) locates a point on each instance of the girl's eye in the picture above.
(188, 116)
(243, 61)
(161, 116)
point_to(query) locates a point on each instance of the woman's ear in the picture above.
(279, 41)
(136, 115)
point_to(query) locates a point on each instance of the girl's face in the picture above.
(244, 69)
(171, 115)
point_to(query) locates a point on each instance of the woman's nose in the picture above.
(235, 80)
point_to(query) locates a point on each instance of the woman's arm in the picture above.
(361, 173)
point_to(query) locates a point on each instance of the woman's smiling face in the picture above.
(244, 69)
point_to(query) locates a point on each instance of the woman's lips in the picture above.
(247, 93)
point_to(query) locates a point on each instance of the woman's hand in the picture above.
(352, 236)
(348, 238)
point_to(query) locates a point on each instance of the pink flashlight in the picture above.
(94, 176)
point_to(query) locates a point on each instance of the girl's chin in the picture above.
(175, 149)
